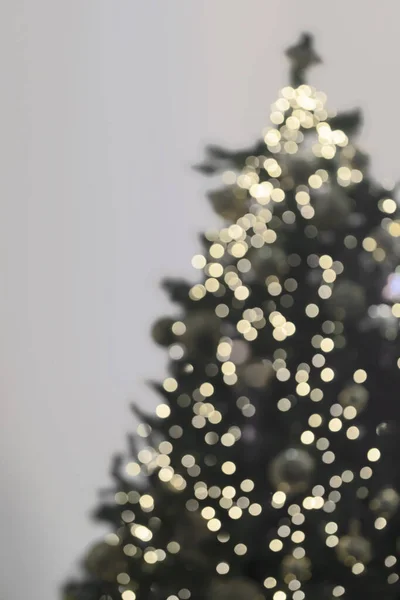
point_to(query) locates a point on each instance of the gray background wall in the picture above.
(104, 104)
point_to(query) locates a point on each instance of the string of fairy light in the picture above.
(302, 101)
(303, 108)
(345, 176)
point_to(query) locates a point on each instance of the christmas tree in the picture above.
(268, 470)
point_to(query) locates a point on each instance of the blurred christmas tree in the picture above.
(269, 468)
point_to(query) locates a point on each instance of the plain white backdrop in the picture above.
(104, 105)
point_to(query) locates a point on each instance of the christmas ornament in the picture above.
(230, 203)
(386, 502)
(331, 206)
(162, 333)
(105, 561)
(355, 395)
(356, 220)
(387, 428)
(383, 318)
(235, 588)
(296, 568)
(387, 242)
(354, 548)
(249, 434)
(268, 261)
(191, 534)
(240, 352)
(300, 166)
(291, 470)
(347, 300)
(299, 169)
(202, 333)
(257, 374)
(391, 291)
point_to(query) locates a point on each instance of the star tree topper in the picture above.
(302, 56)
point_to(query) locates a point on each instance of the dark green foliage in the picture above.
(314, 356)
